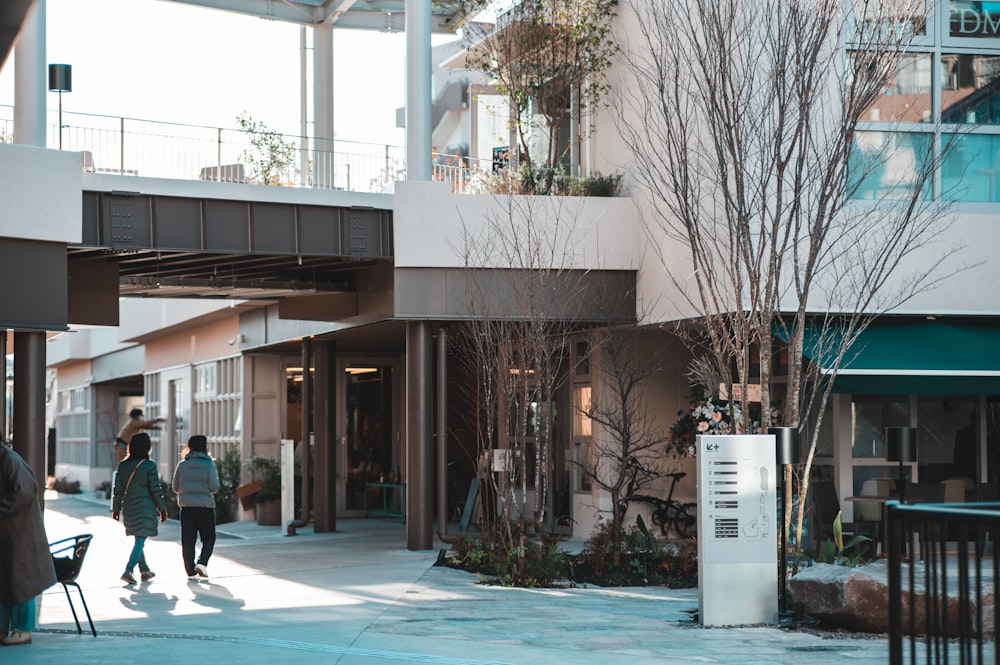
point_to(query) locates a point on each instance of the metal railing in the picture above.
(131, 146)
(943, 582)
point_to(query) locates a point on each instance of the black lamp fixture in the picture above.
(786, 451)
(60, 80)
(901, 446)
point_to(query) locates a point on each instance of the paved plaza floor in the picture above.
(359, 597)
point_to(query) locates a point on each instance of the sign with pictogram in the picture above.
(737, 530)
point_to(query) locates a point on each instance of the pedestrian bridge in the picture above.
(175, 238)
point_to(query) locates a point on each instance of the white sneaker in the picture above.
(17, 637)
(201, 569)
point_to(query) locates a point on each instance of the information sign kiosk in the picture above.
(737, 530)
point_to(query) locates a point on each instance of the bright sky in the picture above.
(174, 62)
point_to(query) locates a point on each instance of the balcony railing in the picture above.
(130, 146)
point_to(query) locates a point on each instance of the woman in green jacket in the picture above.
(138, 500)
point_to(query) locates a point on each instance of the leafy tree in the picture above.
(547, 57)
(272, 156)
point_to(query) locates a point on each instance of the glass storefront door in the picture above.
(369, 426)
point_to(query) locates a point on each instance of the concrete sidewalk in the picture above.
(358, 596)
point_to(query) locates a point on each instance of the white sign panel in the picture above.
(737, 530)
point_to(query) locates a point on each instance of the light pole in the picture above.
(786, 448)
(60, 80)
(901, 446)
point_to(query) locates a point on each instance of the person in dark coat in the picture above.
(195, 482)
(26, 567)
(138, 498)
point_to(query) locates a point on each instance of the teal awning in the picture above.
(927, 357)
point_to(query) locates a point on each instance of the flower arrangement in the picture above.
(704, 417)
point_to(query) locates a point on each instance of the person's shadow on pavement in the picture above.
(213, 594)
(151, 603)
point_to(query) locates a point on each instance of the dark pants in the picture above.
(197, 523)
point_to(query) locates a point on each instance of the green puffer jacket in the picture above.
(140, 505)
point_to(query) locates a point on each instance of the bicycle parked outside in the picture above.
(667, 513)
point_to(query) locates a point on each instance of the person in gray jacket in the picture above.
(195, 482)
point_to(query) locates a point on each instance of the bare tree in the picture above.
(627, 450)
(744, 122)
(525, 301)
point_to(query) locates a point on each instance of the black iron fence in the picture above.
(943, 576)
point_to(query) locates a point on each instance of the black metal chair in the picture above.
(67, 557)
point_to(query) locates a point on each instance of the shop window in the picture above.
(870, 416)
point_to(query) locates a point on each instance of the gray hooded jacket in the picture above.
(195, 481)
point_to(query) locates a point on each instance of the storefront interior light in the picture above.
(360, 370)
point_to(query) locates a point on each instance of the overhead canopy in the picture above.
(382, 15)
(926, 357)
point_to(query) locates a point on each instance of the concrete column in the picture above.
(419, 436)
(323, 106)
(29, 402)
(325, 468)
(418, 90)
(31, 81)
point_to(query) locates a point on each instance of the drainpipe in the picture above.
(442, 437)
(304, 445)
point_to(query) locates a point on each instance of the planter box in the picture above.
(269, 513)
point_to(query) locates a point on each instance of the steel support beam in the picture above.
(305, 449)
(325, 468)
(418, 90)
(323, 122)
(30, 80)
(29, 403)
(442, 432)
(419, 448)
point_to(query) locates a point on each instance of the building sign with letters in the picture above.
(979, 19)
(737, 530)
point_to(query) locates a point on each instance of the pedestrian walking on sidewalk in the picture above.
(138, 500)
(195, 482)
(25, 560)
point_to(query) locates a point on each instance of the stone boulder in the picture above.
(858, 598)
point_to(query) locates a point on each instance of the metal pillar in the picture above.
(325, 469)
(30, 80)
(29, 402)
(419, 435)
(442, 432)
(418, 90)
(323, 125)
(304, 447)
(303, 109)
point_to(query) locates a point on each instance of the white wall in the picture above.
(42, 194)
(430, 226)
(82, 345)
(144, 316)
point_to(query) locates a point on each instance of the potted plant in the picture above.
(267, 500)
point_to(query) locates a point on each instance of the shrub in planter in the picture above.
(267, 471)
(229, 468)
